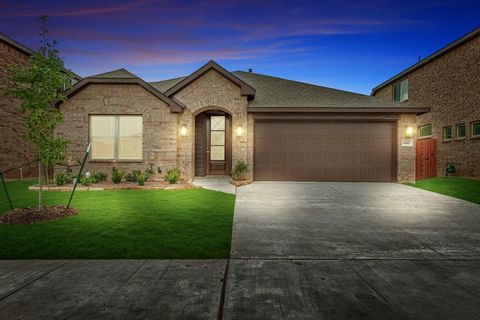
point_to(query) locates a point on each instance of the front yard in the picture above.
(126, 224)
(462, 188)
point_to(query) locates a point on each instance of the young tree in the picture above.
(37, 86)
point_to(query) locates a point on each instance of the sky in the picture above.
(344, 44)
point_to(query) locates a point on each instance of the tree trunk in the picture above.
(40, 205)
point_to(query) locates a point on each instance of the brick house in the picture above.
(15, 149)
(448, 82)
(207, 121)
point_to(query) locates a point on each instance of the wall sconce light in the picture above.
(409, 132)
(239, 131)
(183, 130)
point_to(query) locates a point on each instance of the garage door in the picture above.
(323, 151)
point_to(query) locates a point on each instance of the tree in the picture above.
(37, 86)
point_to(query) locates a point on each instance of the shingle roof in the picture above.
(277, 92)
(116, 74)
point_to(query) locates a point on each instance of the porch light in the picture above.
(183, 130)
(409, 132)
(239, 131)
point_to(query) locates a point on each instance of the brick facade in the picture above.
(449, 85)
(15, 149)
(163, 146)
(159, 124)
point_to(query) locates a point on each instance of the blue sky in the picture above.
(349, 45)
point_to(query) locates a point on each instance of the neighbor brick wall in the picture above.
(15, 149)
(211, 91)
(450, 87)
(159, 125)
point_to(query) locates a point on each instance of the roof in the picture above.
(437, 54)
(122, 76)
(281, 95)
(245, 89)
(20, 47)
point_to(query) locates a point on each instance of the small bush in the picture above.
(117, 175)
(172, 175)
(239, 171)
(133, 176)
(62, 178)
(149, 172)
(98, 176)
(141, 179)
(86, 181)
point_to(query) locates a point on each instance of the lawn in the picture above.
(148, 224)
(462, 188)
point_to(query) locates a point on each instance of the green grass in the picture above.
(462, 188)
(123, 224)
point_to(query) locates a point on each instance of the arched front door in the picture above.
(213, 143)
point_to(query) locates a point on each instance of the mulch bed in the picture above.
(107, 185)
(32, 215)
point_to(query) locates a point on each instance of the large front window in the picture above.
(116, 137)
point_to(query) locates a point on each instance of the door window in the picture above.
(217, 138)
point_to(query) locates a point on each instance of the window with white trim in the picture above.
(400, 91)
(447, 133)
(116, 137)
(425, 131)
(475, 129)
(461, 131)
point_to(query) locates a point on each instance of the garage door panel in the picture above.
(323, 151)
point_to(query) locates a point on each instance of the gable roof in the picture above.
(245, 89)
(437, 54)
(281, 95)
(122, 76)
(27, 51)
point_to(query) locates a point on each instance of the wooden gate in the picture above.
(426, 159)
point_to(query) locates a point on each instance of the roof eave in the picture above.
(245, 89)
(175, 105)
(437, 54)
(331, 109)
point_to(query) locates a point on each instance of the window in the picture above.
(476, 129)
(400, 91)
(217, 138)
(116, 137)
(460, 131)
(447, 133)
(425, 131)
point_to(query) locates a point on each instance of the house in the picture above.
(207, 121)
(448, 82)
(15, 149)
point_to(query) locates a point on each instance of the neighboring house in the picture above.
(15, 149)
(204, 123)
(448, 81)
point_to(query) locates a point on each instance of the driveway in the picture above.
(352, 251)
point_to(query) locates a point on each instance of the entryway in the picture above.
(213, 143)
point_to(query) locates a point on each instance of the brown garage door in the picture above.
(323, 151)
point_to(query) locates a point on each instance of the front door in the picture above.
(217, 142)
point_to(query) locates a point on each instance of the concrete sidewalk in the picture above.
(110, 289)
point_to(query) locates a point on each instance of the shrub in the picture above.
(239, 171)
(133, 176)
(62, 178)
(141, 179)
(117, 175)
(172, 175)
(98, 176)
(149, 172)
(86, 181)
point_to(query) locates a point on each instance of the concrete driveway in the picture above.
(352, 251)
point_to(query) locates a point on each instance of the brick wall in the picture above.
(15, 149)
(211, 91)
(159, 125)
(450, 87)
